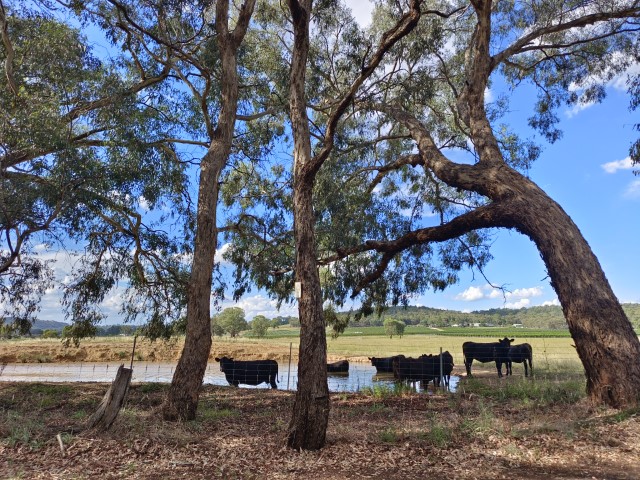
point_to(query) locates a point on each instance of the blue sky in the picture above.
(587, 172)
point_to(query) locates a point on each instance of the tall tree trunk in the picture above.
(182, 399)
(308, 426)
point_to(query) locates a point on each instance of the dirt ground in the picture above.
(240, 433)
(110, 349)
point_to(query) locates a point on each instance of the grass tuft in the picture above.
(534, 392)
(389, 435)
(386, 391)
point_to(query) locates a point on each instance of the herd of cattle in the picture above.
(425, 368)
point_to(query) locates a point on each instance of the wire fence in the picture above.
(550, 355)
(359, 376)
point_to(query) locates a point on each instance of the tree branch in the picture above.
(402, 28)
(523, 44)
(8, 61)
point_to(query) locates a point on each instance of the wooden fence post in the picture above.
(112, 402)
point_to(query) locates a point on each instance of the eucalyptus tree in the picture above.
(152, 143)
(312, 146)
(232, 321)
(326, 73)
(568, 51)
(260, 325)
(206, 39)
(81, 145)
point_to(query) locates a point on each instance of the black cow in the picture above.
(447, 368)
(341, 366)
(423, 369)
(521, 353)
(383, 364)
(252, 372)
(486, 352)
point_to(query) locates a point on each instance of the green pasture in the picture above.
(491, 332)
(552, 354)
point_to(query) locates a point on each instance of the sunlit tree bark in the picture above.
(182, 399)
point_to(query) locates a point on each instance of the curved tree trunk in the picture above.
(182, 399)
(605, 340)
(606, 343)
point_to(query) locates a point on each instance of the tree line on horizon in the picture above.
(231, 321)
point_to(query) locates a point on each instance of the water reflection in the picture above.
(360, 375)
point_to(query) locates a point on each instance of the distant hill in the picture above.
(547, 317)
(48, 325)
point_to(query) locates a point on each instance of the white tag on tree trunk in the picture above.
(298, 289)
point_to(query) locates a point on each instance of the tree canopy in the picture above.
(259, 325)
(85, 161)
(372, 189)
(232, 321)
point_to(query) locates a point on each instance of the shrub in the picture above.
(49, 333)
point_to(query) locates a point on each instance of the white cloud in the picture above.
(525, 292)
(633, 190)
(613, 167)
(488, 292)
(578, 107)
(618, 82)
(550, 303)
(495, 293)
(523, 302)
(143, 203)
(114, 301)
(470, 294)
(261, 305)
(488, 95)
(220, 252)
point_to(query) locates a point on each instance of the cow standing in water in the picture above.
(384, 364)
(521, 353)
(487, 352)
(251, 372)
(424, 368)
(341, 366)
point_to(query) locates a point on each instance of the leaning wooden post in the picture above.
(133, 350)
(112, 402)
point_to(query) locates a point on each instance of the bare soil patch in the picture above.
(239, 433)
(111, 349)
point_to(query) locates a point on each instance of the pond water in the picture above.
(360, 375)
